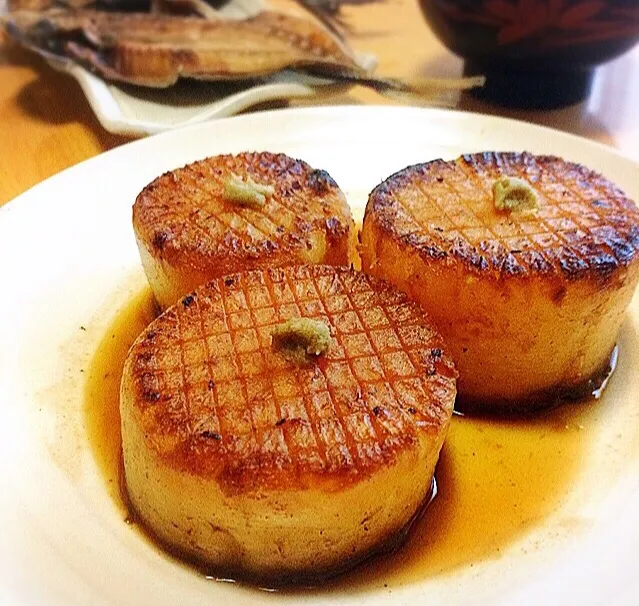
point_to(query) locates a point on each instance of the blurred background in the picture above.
(541, 58)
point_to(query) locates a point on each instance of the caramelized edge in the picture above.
(613, 253)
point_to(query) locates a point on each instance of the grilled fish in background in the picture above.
(155, 50)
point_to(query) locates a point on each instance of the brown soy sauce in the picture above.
(497, 478)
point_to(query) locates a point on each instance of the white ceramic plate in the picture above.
(134, 110)
(69, 259)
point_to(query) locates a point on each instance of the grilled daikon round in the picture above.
(266, 465)
(231, 213)
(529, 300)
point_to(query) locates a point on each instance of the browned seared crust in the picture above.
(156, 50)
(185, 221)
(530, 304)
(585, 227)
(189, 232)
(215, 400)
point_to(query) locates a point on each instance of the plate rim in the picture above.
(323, 112)
(26, 199)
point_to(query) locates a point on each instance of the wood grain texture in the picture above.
(46, 124)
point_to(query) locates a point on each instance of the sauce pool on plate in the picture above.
(496, 478)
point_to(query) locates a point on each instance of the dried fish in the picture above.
(327, 12)
(156, 50)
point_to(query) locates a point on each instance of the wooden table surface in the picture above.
(46, 124)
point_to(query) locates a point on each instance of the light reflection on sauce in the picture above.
(102, 391)
(497, 478)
